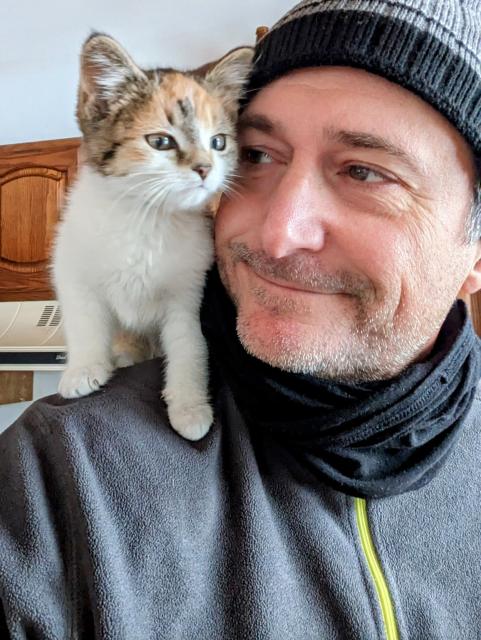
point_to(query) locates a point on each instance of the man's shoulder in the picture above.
(125, 420)
(133, 387)
(476, 406)
(101, 481)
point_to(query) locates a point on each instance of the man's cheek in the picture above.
(237, 216)
(222, 221)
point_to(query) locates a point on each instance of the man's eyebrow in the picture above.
(260, 123)
(354, 139)
(363, 140)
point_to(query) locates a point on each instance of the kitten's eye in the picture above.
(161, 141)
(218, 142)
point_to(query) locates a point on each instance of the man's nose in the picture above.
(294, 218)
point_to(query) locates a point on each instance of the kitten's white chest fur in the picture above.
(120, 265)
(131, 259)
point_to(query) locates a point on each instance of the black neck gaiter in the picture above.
(368, 440)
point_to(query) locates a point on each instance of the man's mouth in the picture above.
(301, 273)
(294, 286)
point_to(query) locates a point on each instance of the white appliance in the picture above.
(31, 336)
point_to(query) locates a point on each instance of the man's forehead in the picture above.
(354, 92)
(357, 91)
(331, 76)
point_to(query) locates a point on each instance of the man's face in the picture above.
(344, 248)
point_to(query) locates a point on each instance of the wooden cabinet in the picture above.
(34, 178)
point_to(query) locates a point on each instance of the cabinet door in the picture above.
(34, 178)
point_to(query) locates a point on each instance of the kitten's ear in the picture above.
(229, 75)
(104, 67)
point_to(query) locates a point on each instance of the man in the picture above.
(337, 495)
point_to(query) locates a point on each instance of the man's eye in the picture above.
(161, 141)
(365, 174)
(255, 156)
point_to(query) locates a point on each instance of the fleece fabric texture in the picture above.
(113, 527)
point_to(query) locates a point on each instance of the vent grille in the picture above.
(55, 321)
(46, 315)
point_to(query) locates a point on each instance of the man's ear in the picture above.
(472, 284)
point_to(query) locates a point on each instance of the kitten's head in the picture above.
(170, 133)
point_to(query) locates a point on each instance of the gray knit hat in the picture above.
(431, 47)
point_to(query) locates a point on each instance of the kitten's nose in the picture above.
(202, 169)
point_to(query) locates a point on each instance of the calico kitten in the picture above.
(135, 242)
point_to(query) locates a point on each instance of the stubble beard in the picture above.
(380, 341)
(371, 350)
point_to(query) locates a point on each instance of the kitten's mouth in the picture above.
(196, 195)
(204, 189)
(195, 188)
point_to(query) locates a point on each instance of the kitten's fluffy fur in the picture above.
(135, 243)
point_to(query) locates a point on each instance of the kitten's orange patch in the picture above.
(153, 118)
(133, 154)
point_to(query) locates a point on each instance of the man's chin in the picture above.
(329, 352)
(279, 341)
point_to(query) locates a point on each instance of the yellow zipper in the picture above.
(385, 600)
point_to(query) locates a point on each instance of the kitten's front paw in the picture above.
(80, 381)
(192, 422)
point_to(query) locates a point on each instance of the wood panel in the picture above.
(34, 178)
(475, 310)
(261, 32)
(16, 386)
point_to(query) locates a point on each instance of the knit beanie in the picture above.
(431, 47)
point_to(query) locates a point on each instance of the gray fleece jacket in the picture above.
(112, 526)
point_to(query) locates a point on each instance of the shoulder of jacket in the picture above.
(128, 402)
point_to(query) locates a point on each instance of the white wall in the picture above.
(40, 43)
